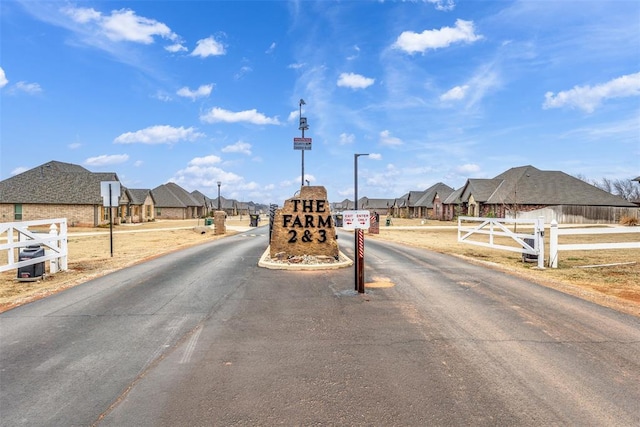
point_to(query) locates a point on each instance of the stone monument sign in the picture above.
(304, 226)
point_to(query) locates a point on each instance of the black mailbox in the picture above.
(33, 271)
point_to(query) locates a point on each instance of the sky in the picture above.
(197, 92)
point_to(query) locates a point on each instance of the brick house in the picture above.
(140, 205)
(174, 202)
(527, 192)
(57, 190)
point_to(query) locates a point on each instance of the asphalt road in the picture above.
(205, 337)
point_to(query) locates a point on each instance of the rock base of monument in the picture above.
(303, 262)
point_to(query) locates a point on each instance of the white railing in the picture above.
(495, 227)
(555, 247)
(17, 236)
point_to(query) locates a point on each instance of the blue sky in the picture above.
(197, 92)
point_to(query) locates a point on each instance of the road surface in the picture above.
(205, 337)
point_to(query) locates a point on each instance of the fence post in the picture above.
(53, 264)
(62, 244)
(553, 244)
(540, 241)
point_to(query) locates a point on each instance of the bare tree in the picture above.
(625, 188)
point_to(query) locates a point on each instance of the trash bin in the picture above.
(33, 271)
(339, 220)
(208, 221)
(529, 257)
(254, 220)
(388, 223)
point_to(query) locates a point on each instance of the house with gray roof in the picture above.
(452, 205)
(423, 204)
(140, 206)
(529, 192)
(57, 190)
(174, 202)
(378, 206)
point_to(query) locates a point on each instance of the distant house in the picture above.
(527, 192)
(344, 205)
(423, 204)
(452, 205)
(140, 205)
(382, 207)
(57, 190)
(174, 202)
(404, 206)
(207, 203)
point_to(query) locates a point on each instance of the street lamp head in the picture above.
(219, 183)
(302, 102)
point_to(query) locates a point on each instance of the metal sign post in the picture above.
(110, 192)
(110, 222)
(303, 143)
(360, 257)
(358, 221)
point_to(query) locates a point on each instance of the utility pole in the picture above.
(303, 126)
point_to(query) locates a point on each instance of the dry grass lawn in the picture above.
(616, 286)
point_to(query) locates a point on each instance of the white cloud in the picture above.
(467, 169)
(82, 15)
(160, 134)
(411, 42)
(293, 116)
(244, 70)
(176, 47)
(387, 139)
(250, 116)
(356, 49)
(3, 78)
(238, 147)
(138, 163)
(295, 66)
(126, 25)
(271, 48)
(587, 98)
(19, 170)
(204, 161)
(375, 156)
(208, 47)
(455, 93)
(347, 138)
(162, 96)
(105, 160)
(354, 81)
(122, 25)
(444, 5)
(29, 88)
(201, 92)
(202, 173)
(74, 145)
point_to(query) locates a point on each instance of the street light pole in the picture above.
(219, 183)
(358, 237)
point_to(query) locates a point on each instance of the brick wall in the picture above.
(171, 213)
(77, 215)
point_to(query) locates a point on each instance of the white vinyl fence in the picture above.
(15, 236)
(555, 247)
(469, 228)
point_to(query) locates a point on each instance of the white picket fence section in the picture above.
(494, 227)
(17, 236)
(555, 247)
